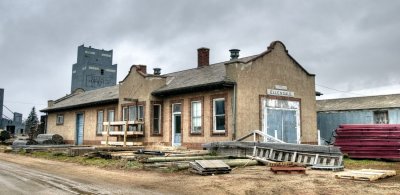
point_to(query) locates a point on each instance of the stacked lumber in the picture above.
(208, 167)
(366, 174)
(180, 165)
(49, 139)
(187, 158)
(369, 141)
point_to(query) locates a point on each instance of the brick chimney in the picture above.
(141, 68)
(203, 57)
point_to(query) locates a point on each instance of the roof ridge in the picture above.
(214, 64)
(368, 96)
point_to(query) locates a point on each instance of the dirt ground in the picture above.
(247, 180)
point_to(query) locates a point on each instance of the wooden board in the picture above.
(113, 143)
(212, 164)
(366, 174)
(298, 170)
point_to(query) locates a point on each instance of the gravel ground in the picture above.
(71, 178)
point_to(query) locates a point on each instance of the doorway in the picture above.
(282, 120)
(79, 129)
(176, 125)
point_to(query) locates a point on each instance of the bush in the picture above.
(4, 135)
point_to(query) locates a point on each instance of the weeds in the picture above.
(97, 162)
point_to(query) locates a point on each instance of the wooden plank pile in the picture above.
(209, 167)
(377, 141)
(365, 174)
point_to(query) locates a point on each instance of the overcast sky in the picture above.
(350, 45)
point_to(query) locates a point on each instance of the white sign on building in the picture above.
(277, 92)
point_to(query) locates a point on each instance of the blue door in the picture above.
(177, 130)
(79, 129)
(176, 125)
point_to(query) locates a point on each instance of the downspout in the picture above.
(234, 112)
(45, 122)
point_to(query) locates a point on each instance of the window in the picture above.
(101, 71)
(156, 119)
(132, 113)
(196, 117)
(124, 113)
(381, 117)
(219, 115)
(140, 113)
(100, 119)
(111, 118)
(60, 119)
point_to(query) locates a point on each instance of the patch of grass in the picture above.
(371, 164)
(97, 162)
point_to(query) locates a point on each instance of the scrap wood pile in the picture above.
(369, 141)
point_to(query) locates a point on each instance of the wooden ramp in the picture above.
(208, 167)
(366, 174)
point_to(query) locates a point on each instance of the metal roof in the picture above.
(359, 103)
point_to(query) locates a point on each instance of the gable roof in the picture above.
(210, 76)
(359, 103)
(89, 98)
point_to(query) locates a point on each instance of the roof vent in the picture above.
(234, 53)
(157, 71)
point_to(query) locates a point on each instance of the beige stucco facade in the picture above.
(68, 128)
(274, 68)
(243, 102)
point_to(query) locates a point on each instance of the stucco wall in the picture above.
(138, 86)
(275, 68)
(68, 129)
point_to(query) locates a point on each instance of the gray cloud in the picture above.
(349, 45)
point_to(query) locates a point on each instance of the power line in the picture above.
(6, 117)
(339, 90)
(8, 109)
(29, 103)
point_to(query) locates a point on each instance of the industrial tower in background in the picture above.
(93, 69)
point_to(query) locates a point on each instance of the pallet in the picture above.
(366, 174)
(288, 170)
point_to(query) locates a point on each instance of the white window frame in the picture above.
(197, 117)
(140, 116)
(60, 119)
(99, 124)
(214, 116)
(125, 113)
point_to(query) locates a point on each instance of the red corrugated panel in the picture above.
(369, 141)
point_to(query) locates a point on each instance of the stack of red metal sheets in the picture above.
(369, 141)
